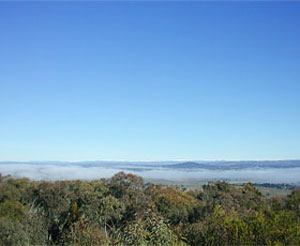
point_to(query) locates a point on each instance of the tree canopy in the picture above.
(123, 210)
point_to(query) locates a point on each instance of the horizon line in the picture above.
(147, 160)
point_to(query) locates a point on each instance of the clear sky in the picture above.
(149, 80)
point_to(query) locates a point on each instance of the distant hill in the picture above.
(139, 165)
(231, 165)
(190, 164)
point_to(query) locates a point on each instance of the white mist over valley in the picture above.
(191, 172)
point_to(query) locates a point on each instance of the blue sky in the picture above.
(149, 80)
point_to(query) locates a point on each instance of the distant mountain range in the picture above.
(229, 165)
(149, 165)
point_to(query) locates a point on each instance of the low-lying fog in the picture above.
(90, 172)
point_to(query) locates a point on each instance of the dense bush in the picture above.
(125, 211)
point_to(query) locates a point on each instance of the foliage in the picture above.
(124, 211)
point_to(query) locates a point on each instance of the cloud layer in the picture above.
(71, 172)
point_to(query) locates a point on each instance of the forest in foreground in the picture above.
(124, 210)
